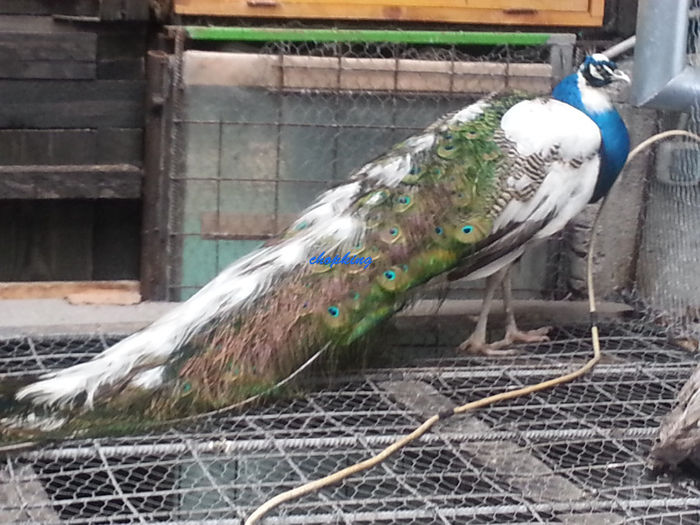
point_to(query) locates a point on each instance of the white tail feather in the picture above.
(233, 289)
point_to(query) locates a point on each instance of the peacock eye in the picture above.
(467, 229)
(404, 199)
(438, 230)
(390, 275)
(333, 311)
(394, 231)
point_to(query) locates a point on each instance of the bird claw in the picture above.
(480, 347)
(477, 345)
(528, 336)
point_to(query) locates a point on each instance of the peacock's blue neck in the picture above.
(615, 139)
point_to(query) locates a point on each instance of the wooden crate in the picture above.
(509, 12)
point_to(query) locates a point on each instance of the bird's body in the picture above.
(468, 195)
(679, 434)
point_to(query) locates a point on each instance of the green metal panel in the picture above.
(276, 34)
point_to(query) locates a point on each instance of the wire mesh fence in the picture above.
(573, 454)
(665, 287)
(262, 129)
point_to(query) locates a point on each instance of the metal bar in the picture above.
(491, 510)
(115, 484)
(621, 47)
(176, 165)
(279, 34)
(228, 446)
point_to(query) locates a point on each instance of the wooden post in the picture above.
(155, 196)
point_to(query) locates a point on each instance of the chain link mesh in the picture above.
(665, 285)
(290, 119)
(547, 458)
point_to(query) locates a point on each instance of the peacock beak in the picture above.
(618, 74)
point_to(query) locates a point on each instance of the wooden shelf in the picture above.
(101, 181)
(501, 12)
(108, 290)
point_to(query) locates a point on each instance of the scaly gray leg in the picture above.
(476, 343)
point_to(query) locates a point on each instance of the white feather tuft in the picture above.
(469, 113)
(390, 172)
(149, 379)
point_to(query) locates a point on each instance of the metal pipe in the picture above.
(621, 47)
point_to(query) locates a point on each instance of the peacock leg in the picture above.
(476, 343)
(513, 333)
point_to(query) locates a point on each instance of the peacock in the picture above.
(463, 198)
(678, 440)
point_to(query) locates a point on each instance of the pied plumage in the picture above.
(468, 195)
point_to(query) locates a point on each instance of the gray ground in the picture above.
(56, 316)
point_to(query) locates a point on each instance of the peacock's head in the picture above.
(598, 71)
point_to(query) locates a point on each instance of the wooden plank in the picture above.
(123, 10)
(48, 46)
(120, 146)
(48, 55)
(42, 69)
(118, 297)
(71, 104)
(538, 5)
(50, 146)
(61, 289)
(551, 5)
(26, 7)
(154, 228)
(119, 43)
(108, 181)
(35, 24)
(120, 69)
(77, 8)
(381, 11)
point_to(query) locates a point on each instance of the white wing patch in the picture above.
(556, 131)
(470, 112)
(537, 126)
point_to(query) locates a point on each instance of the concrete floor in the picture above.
(56, 316)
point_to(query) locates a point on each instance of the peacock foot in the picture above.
(479, 346)
(476, 344)
(515, 335)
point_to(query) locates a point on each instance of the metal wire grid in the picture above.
(547, 458)
(250, 156)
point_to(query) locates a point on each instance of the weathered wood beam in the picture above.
(102, 181)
